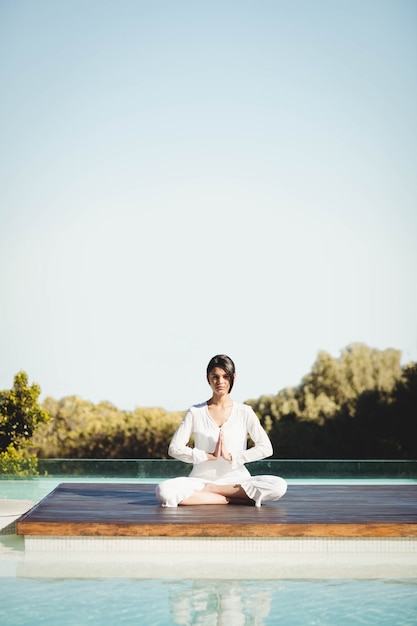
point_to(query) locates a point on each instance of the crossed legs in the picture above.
(188, 491)
(217, 494)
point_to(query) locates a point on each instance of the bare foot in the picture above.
(211, 488)
(234, 492)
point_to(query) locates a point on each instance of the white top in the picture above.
(241, 422)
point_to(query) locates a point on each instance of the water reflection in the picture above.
(220, 603)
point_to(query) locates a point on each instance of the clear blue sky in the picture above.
(183, 178)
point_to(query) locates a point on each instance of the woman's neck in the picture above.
(221, 402)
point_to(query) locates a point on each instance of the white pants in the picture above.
(258, 488)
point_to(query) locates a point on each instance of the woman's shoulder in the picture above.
(198, 408)
(243, 408)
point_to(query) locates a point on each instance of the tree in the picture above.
(332, 384)
(20, 415)
(80, 429)
(403, 413)
(360, 405)
(359, 369)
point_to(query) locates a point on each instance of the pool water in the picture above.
(207, 603)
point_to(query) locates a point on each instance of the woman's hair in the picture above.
(226, 363)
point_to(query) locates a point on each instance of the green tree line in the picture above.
(362, 404)
(80, 429)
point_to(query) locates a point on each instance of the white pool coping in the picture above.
(10, 511)
(209, 558)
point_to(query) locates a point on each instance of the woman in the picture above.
(220, 427)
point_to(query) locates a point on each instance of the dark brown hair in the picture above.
(226, 364)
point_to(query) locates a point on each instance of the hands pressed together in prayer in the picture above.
(219, 450)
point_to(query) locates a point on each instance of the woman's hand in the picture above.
(219, 450)
(224, 453)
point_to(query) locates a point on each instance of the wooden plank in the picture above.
(113, 509)
(219, 530)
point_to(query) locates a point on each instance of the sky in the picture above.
(183, 178)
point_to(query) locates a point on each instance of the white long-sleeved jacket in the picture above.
(241, 422)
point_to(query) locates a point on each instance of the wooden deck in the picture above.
(131, 510)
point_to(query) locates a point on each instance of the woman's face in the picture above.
(219, 381)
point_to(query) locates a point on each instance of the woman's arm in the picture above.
(262, 447)
(179, 448)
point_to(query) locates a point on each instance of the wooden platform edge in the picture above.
(57, 529)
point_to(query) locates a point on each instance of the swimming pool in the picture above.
(119, 586)
(207, 603)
